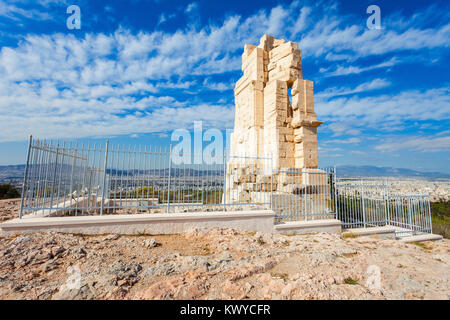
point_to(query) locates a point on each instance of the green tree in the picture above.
(8, 192)
(440, 216)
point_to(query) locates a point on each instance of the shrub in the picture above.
(8, 192)
(440, 217)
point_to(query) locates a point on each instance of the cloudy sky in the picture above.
(137, 70)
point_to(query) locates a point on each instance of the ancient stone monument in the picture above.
(267, 122)
(274, 119)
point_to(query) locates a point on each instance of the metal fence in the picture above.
(410, 213)
(360, 204)
(89, 179)
(302, 194)
(94, 179)
(364, 204)
(85, 179)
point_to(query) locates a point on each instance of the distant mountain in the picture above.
(372, 171)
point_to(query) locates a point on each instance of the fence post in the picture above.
(25, 177)
(271, 181)
(104, 177)
(363, 208)
(168, 186)
(90, 188)
(429, 213)
(387, 212)
(54, 179)
(335, 194)
(305, 183)
(409, 214)
(224, 179)
(71, 181)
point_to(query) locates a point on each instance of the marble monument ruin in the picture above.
(268, 123)
(273, 146)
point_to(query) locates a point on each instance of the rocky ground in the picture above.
(220, 264)
(9, 209)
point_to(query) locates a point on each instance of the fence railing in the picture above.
(360, 205)
(303, 194)
(86, 179)
(95, 179)
(410, 213)
(364, 204)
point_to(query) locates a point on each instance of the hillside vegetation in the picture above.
(440, 217)
(8, 192)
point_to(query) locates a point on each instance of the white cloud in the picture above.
(344, 141)
(162, 18)
(359, 153)
(334, 35)
(109, 84)
(329, 150)
(302, 21)
(16, 13)
(342, 71)
(19, 10)
(416, 143)
(191, 7)
(277, 20)
(338, 56)
(88, 121)
(363, 87)
(342, 128)
(385, 111)
(443, 133)
(218, 86)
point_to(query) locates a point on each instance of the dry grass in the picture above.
(286, 243)
(350, 281)
(349, 235)
(261, 241)
(422, 245)
(206, 251)
(283, 276)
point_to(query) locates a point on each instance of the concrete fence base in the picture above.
(176, 223)
(302, 227)
(169, 223)
(385, 232)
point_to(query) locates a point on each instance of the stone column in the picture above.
(305, 124)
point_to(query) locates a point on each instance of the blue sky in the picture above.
(138, 70)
